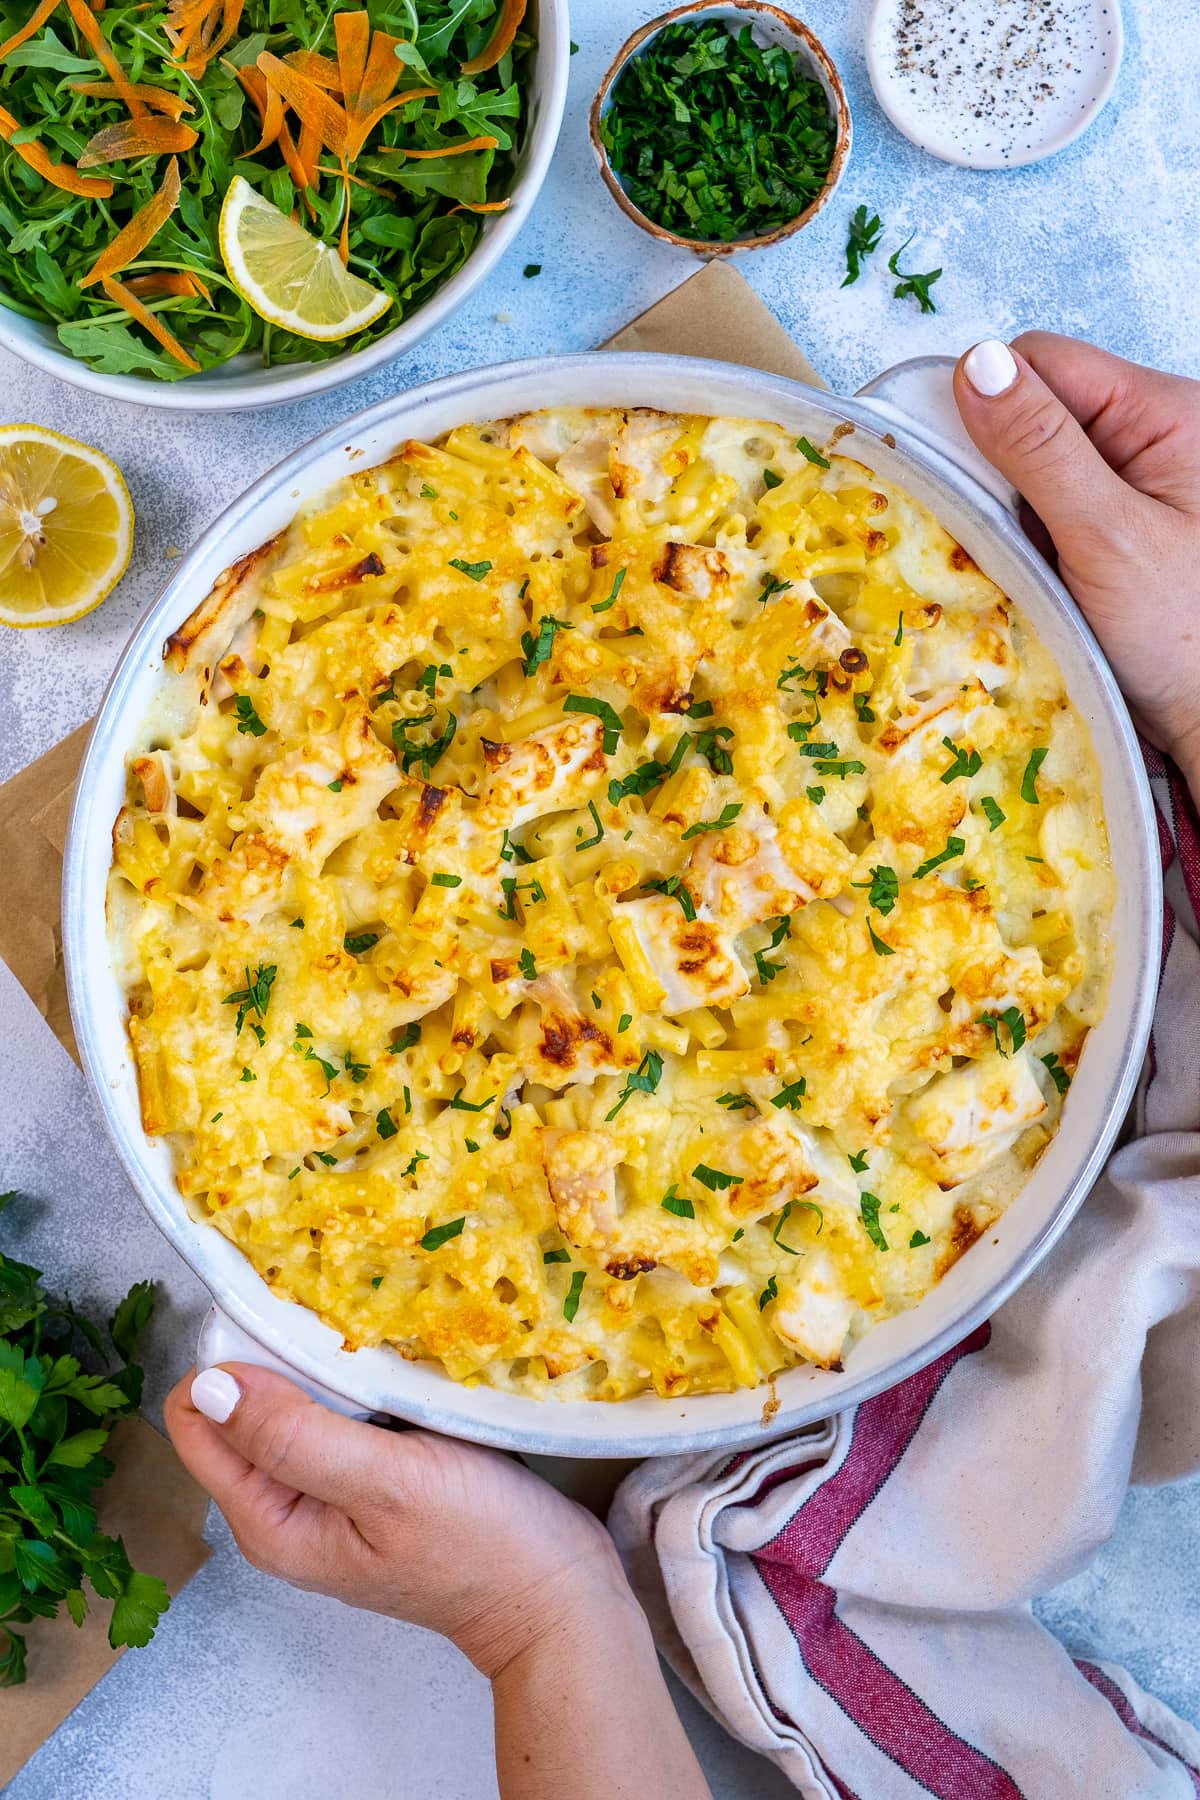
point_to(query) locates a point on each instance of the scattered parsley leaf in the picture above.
(880, 947)
(858, 1161)
(1029, 791)
(868, 1206)
(599, 709)
(254, 997)
(528, 965)
(1057, 1073)
(992, 812)
(644, 1080)
(358, 942)
(884, 887)
(728, 814)
(917, 1239)
(675, 888)
(862, 242)
(604, 605)
(442, 880)
(954, 847)
(385, 1125)
(770, 1292)
(913, 285)
(716, 1180)
(811, 453)
(966, 762)
(475, 571)
(771, 479)
(588, 842)
(781, 1221)
(538, 649)
(247, 719)
(1013, 1018)
(673, 1202)
(438, 1235)
(790, 1095)
(571, 1303)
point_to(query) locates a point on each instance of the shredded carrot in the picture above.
(132, 239)
(479, 143)
(158, 99)
(200, 30)
(510, 19)
(254, 84)
(60, 175)
(34, 23)
(124, 297)
(314, 107)
(182, 284)
(99, 44)
(137, 137)
(482, 206)
(321, 70)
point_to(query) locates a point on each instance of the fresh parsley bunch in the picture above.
(54, 1423)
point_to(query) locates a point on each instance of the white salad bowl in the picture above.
(253, 1323)
(243, 382)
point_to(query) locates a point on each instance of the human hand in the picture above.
(1107, 454)
(464, 1541)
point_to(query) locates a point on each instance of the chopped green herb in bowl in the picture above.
(721, 127)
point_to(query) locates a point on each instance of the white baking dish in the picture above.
(379, 1380)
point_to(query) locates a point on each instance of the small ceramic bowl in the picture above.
(770, 26)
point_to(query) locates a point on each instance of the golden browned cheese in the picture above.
(609, 902)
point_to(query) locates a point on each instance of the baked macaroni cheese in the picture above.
(609, 901)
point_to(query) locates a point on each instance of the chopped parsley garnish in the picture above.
(917, 1239)
(954, 847)
(811, 453)
(418, 754)
(862, 242)
(676, 888)
(472, 1146)
(247, 719)
(410, 1035)
(858, 1161)
(511, 851)
(587, 843)
(1057, 1073)
(868, 1206)
(294, 1173)
(678, 1204)
(798, 731)
(376, 1281)
(815, 794)
(537, 649)
(840, 769)
(556, 1256)
(215, 1117)
(359, 941)
(442, 880)
(734, 1101)
(357, 1071)
(862, 706)
(528, 965)
(966, 762)
(458, 1104)
(571, 1303)
(1029, 791)
(476, 570)
(254, 997)
(717, 137)
(532, 269)
(604, 605)
(899, 637)
(781, 1221)
(770, 1292)
(709, 745)
(599, 709)
(335, 787)
(912, 285)
(247, 1075)
(641, 780)
(385, 1125)
(438, 1235)
(644, 1080)
(991, 812)
(716, 1180)
(1013, 1019)
(767, 971)
(728, 814)
(596, 1000)
(790, 1095)
(329, 1070)
(624, 1022)
(880, 947)
(512, 887)
(418, 1156)
(699, 709)
(772, 479)
(297, 924)
(884, 888)
(427, 492)
(428, 679)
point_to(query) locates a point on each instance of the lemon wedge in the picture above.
(66, 526)
(289, 277)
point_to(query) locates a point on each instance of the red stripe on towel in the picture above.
(1121, 1705)
(882, 1706)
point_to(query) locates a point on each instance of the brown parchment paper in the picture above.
(151, 1501)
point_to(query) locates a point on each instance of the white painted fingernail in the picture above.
(215, 1394)
(990, 368)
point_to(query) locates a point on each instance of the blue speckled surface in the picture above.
(253, 1689)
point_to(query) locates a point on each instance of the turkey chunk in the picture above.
(677, 963)
(813, 1312)
(969, 1117)
(554, 769)
(581, 1175)
(759, 870)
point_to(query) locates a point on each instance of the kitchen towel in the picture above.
(855, 1601)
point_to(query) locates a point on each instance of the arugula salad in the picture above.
(386, 132)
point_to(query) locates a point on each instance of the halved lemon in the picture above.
(66, 526)
(289, 277)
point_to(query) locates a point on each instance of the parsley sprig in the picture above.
(55, 1418)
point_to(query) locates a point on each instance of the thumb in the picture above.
(1026, 432)
(271, 1424)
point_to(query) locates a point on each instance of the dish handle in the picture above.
(222, 1341)
(918, 397)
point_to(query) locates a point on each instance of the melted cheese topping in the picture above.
(608, 902)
